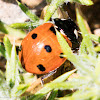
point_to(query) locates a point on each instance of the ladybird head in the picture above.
(71, 31)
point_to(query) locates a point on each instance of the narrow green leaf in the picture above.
(2, 50)
(4, 89)
(31, 15)
(52, 8)
(64, 46)
(82, 25)
(84, 95)
(40, 94)
(64, 76)
(12, 74)
(13, 32)
(11, 68)
(8, 73)
(78, 61)
(97, 68)
(13, 65)
(17, 81)
(21, 89)
(95, 38)
(26, 25)
(82, 49)
(56, 3)
(37, 97)
(88, 60)
(8, 47)
(59, 79)
(53, 95)
(65, 85)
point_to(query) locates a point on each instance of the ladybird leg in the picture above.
(44, 77)
(42, 82)
(49, 74)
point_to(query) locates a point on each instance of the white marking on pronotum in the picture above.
(76, 33)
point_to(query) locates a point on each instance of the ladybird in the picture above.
(40, 51)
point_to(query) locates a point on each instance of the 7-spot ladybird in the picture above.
(40, 50)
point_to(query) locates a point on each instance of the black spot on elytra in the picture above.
(48, 48)
(53, 30)
(34, 36)
(41, 67)
(61, 54)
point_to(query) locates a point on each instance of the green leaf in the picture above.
(8, 47)
(64, 46)
(4, 89)
(21, 89)
(2, 50)
(11, 68)
(37, 97)
(52, 8)
(40, 94)
(56, 3)
(53, 95)
(82, 49)
(13, 32)
(13, 65)
(84, 95)
(82, 25)
(17, 81)
(97, 68)
(78, 61)
(65, 85)
(26, 25)
(31, 15)
(95, 38)
(64, 76)
(12, 74)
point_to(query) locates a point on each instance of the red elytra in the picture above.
(41, 51)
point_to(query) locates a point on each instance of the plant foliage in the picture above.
(86, 85)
